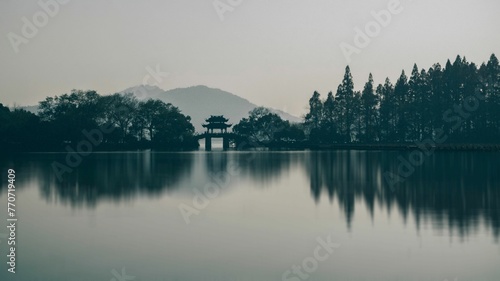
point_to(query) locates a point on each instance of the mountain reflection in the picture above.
(454, 190)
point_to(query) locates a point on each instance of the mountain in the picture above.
(144, 91)
(200, 102)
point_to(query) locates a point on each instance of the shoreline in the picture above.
(300, 147)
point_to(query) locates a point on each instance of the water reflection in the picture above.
(104, 176)
(263, 168)
(457, 191)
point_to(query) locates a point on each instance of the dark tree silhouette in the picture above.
(264, 128)
(62, 121)
(369, 113)
(345, 105)
(459, 103)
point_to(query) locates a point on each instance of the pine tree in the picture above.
(314, 117)
(435, 108)
(424, 102)
(329, 109)
(459, 102)
(329, 121)
(356, 114)
(412, 114)
(470, 86)
(388, 114)
(401, 94)
(491, 87)
(345, 105)
(369, 103)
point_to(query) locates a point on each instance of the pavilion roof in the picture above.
(217, 119)
(217, 125)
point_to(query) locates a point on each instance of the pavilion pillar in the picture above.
(208, 143)
(225, 143)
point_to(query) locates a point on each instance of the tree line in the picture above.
(458, 103)
(63, 120)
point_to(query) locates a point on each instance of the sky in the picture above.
(273, 53)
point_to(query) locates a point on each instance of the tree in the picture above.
(345, 105)
(173, 129)
(291, 133)
(356, 113)
(263, 127)
(153, 122)
(120, 111)
(388, 111)
(19, 129)
(69, 114)
(315, 116)
(412, 105)
(369, 114)
(402, 106)
(435, 107)
(149, 116)
(489, 124)
(329, 129)
(424, 100)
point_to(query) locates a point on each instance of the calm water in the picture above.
(121, 211)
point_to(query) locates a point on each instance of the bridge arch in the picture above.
(216, 127)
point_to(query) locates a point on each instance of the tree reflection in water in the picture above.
(455, 190)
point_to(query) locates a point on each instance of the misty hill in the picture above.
(200, 102)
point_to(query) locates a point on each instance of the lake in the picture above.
(255, 216)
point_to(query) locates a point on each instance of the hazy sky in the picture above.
(273, 53)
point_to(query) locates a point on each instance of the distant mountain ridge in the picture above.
(200, 102)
